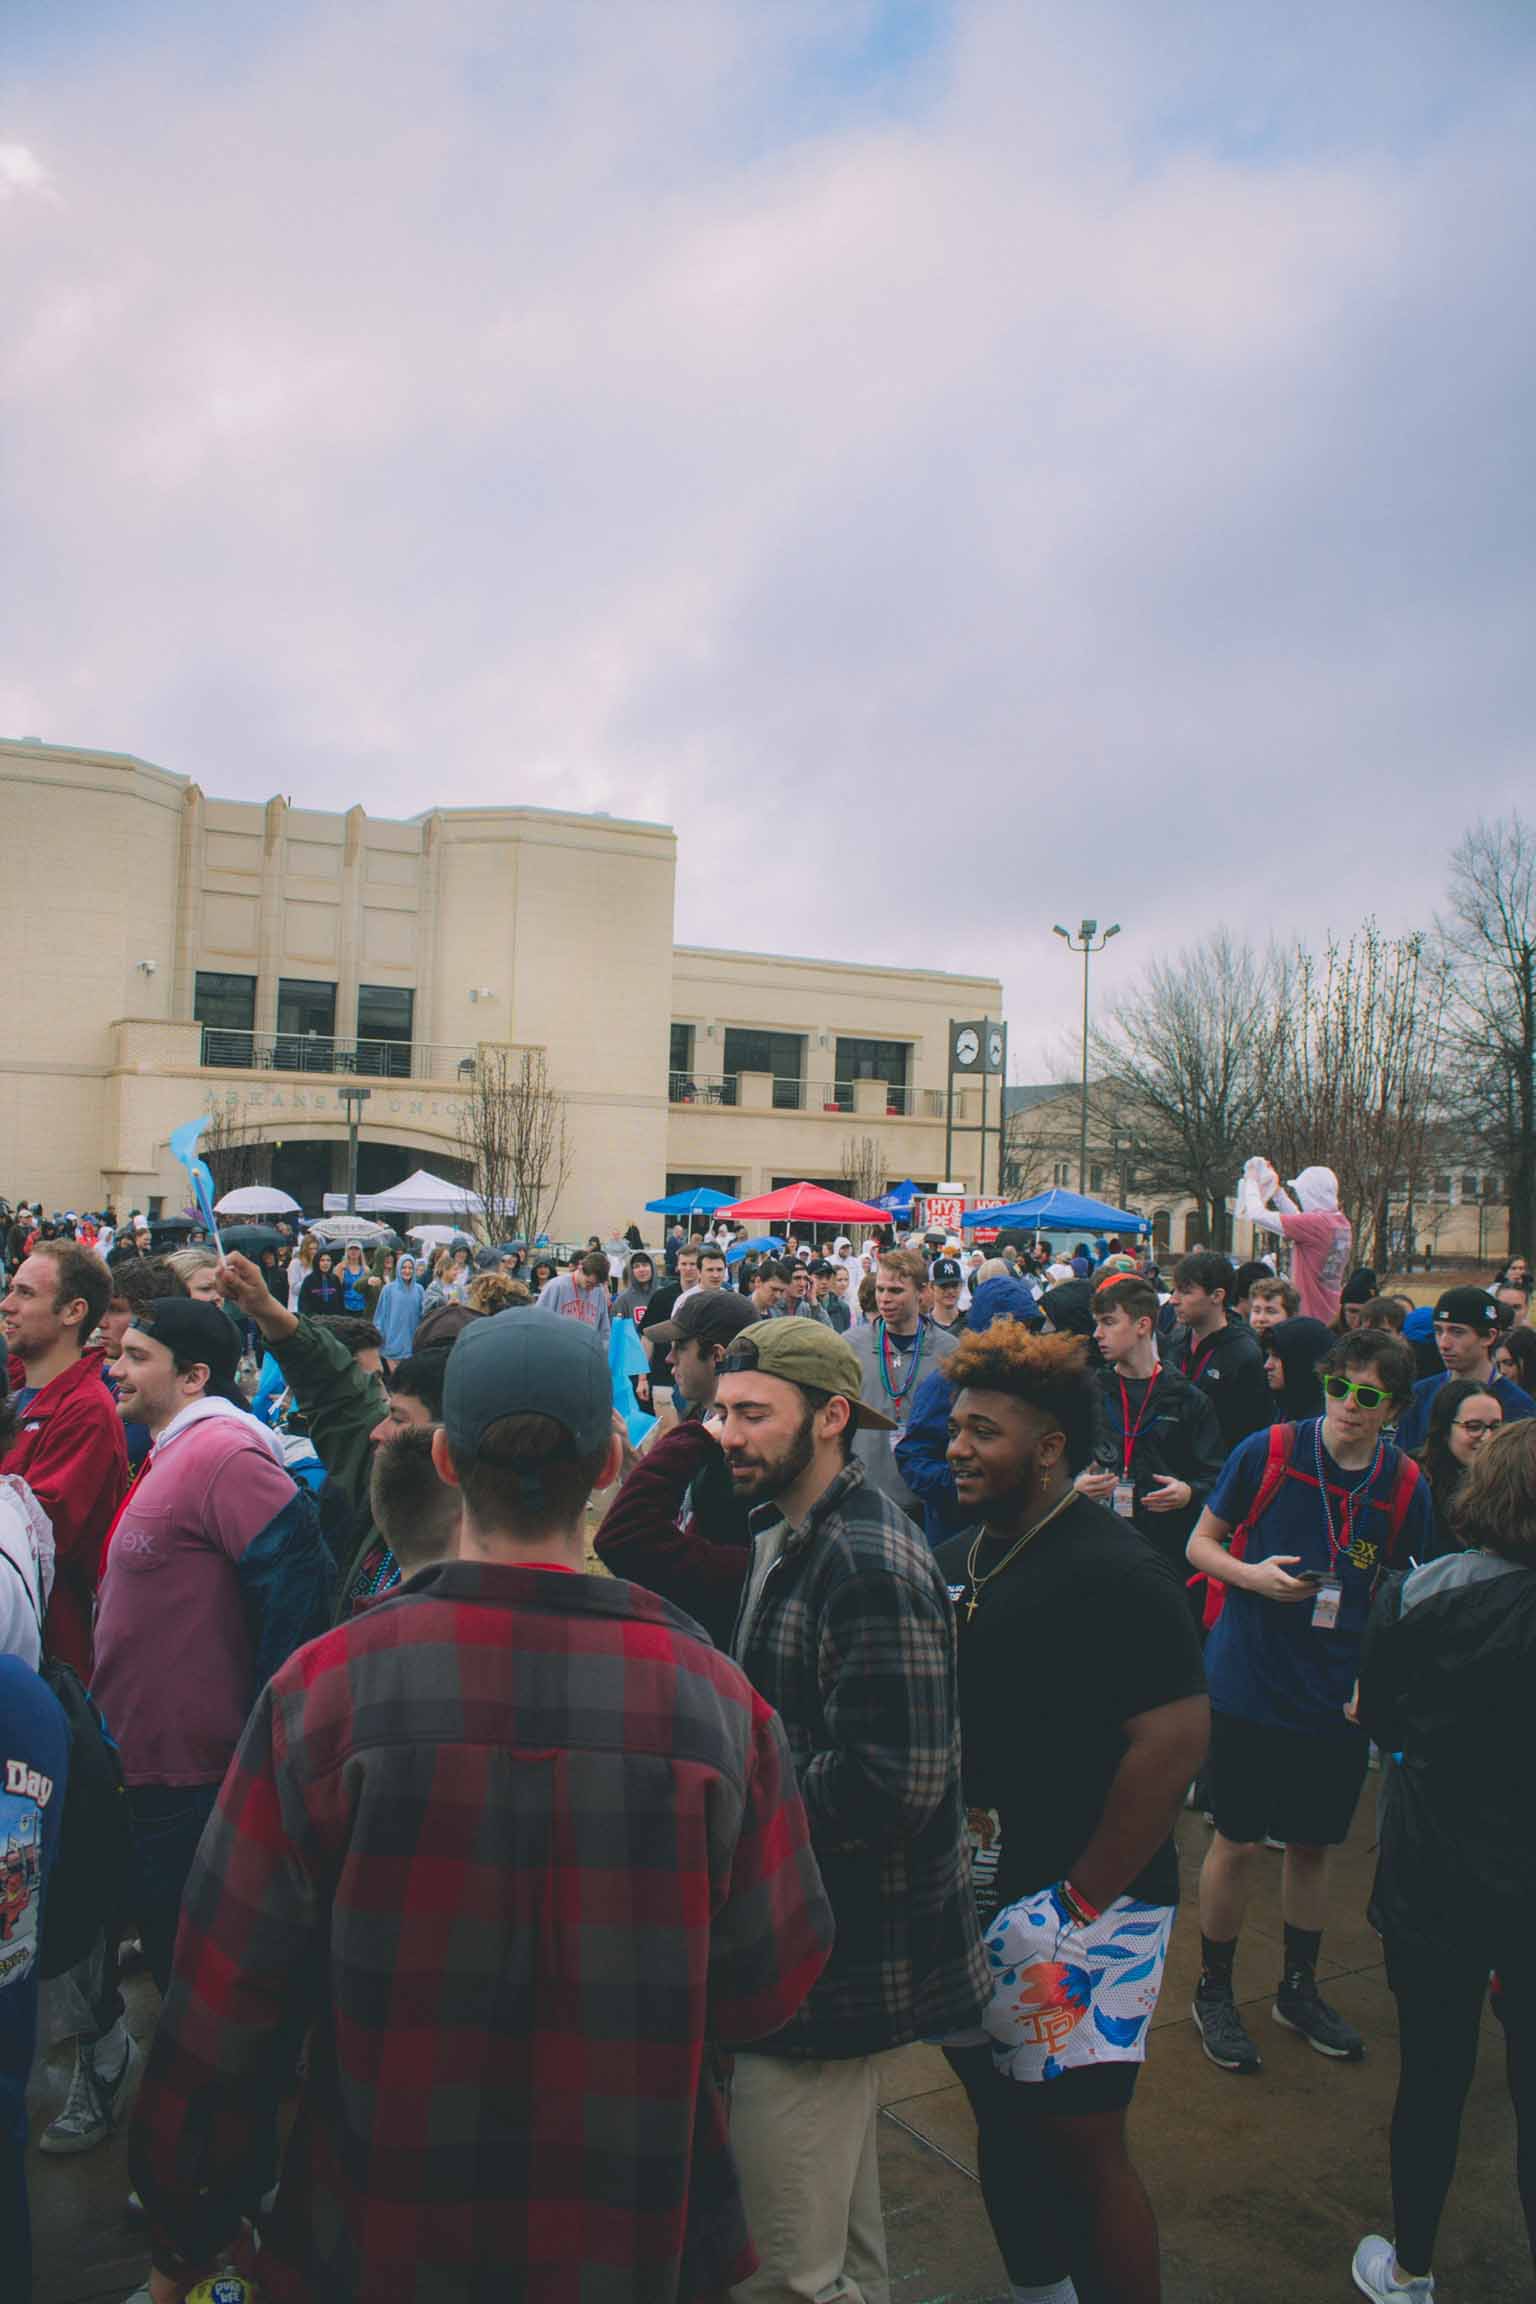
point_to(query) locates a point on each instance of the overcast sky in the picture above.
(965, 466)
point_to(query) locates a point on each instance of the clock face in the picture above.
(967, 1047)
(995, 1051)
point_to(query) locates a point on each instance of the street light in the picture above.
(1084, 942)
(354, 1100)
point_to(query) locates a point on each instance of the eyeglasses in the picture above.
(1363, 1395)
(1481, 1428)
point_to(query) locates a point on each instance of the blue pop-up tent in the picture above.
(899, 1199)
(1057, 1211)
(703, 1202)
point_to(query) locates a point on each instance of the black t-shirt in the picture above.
(1083, 1631)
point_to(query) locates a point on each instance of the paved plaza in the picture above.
(1262, 2186)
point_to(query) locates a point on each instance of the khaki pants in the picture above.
(803, 2131)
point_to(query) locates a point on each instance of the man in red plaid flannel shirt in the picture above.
(514, 1844)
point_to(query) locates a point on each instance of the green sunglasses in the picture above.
(1364, 1395)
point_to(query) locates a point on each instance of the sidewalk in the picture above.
(1262, 2186)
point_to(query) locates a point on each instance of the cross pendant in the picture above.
(970, 1606)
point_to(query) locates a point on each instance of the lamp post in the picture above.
(354, 1100)
(1084, 942)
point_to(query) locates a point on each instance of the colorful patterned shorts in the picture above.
(1065, 1996)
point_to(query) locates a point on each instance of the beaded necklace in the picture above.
(889, 1360)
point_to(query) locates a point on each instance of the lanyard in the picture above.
(1129, 1432)
(1201, 1360)
(1348, 1497)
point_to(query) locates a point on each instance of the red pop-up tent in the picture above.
(806, 1204)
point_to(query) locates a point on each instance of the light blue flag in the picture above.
(184, 1142)
(626, 1358)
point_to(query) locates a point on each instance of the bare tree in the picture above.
(512, 1131)
(1191, 1056)
(1362, 1032)
(1489, 941)
(235, 1148)
(1033, 1145)
(863, 1165)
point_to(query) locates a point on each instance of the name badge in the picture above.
(1123, 1500)
(1325, 1608)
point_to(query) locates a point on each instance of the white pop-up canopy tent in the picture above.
(422, 1194)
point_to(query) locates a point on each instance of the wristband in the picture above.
(1078, 1905)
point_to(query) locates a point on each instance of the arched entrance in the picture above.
(309, 1168)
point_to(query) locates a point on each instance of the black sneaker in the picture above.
(1222, 2033)
(1300, 2007)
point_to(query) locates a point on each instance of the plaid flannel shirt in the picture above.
(852, 1641)
(512, 1844)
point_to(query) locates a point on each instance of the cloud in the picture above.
(1000, 464)
(22, 174)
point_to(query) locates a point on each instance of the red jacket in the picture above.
(71, 1453)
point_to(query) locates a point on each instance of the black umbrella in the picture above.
(250, 1239)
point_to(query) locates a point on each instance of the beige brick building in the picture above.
(173, 954)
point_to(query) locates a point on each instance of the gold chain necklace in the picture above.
(978, 1582)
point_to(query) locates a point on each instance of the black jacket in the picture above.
(1229, 1369)
(1448, 1679)
(1177, 1434)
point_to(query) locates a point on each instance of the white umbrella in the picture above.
(435, 1235)
(347, 1228)
(256, 1200)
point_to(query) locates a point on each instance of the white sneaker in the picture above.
(1375, 2274)
(94, 2104)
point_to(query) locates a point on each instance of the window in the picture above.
(781, 1053)
(1061, 1173)
(384, 1017)
(226, 1008)
(682, 1088)
(688, 1180)
(1442, 1188)
(306, 1013)
(886, 1060)
(1469, 1187)
(1095, 1179)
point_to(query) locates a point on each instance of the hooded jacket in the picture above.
(1174, 1432)
(1448, 1679)
(1298, 1345)
(71, 1453)
(1229, 1369)
(921, 1457)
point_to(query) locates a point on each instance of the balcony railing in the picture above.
(807, 1095)
(319, 1052)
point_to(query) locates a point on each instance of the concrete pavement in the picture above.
(1262, 2186)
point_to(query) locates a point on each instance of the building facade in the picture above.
(174, 954)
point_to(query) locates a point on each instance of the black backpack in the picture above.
(91, 1886)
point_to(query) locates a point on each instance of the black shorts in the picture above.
(1283, 1784)
(1013, 2104)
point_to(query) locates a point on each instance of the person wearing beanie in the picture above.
(1466, 1335)
(1319, 1232)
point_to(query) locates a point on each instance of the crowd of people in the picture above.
(573, 1914)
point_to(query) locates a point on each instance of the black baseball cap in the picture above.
(1469, 1308)
(712, 1316)
(945, 1271)
(524, 1362)
(191, 1330)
